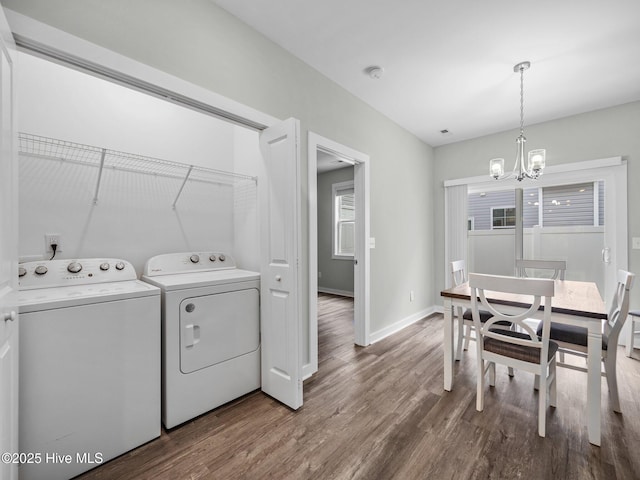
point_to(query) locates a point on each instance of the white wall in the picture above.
(248, 161)
(203, 44)
(133, 218)
(59, 102)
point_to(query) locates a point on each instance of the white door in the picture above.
(8, 258)
(280, 312)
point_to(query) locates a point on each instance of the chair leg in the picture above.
(460, 332)
(480, 386)
(536, 382)
(542, 409)
(467, 337)
(612, 381)
(492, 374)
(553, 394)
(510, 369)
(631, 339)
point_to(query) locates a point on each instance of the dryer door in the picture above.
(215, 328)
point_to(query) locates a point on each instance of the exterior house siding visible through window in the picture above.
(566, 205)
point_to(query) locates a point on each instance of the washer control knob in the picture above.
(222, 258)
(40, 270)
(212, 258)
(194, 258)
(74, 267)
(22, 271)
(120, 266)
(104, 266)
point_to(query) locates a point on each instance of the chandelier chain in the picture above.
(521, 100)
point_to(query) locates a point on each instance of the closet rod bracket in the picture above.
(102, 155)
(184, 182)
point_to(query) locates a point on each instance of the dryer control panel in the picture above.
(79, 271)
(188, 262)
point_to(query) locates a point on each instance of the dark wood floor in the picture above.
(381, 413)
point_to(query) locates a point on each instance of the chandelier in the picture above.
(536, 158)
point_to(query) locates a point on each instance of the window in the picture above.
(503, 217)
(573, 205)
(344, 216)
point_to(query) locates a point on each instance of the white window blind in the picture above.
(456, 224)
(344, 219)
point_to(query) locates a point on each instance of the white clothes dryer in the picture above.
(89, 364)
(210, 331)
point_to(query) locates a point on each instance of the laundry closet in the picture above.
(114, 183)
(143, 201)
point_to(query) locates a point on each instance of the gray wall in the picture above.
(201, 43)
(336, 274)
(599, 134)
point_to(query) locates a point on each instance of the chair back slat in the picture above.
(458, 272)
(558, 266)
(619, 308)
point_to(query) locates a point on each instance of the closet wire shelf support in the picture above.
(37, 146)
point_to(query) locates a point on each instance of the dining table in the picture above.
(576, 303)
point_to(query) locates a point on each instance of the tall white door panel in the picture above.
(281, 320)
(8, 257)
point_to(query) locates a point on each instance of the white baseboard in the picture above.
(400, 324)
(333, 291)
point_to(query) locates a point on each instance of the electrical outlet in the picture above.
(319, 274)
(411, 296)
(51, 239)
(636, 243)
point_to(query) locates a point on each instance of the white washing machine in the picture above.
(89, 365)
(210, 331)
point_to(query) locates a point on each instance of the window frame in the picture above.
(336, 190)
(506, 227)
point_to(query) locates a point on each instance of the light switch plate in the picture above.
(636, 243)
(372, 242)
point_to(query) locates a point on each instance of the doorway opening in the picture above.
(343, 252)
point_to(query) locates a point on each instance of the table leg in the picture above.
(594, 381)
(448, 344)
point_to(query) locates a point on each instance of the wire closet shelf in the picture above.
(37, 146)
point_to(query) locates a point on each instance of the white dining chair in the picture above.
(634, 316)
(556, 268)
(464, 317)
(522, 349)
(573, 340)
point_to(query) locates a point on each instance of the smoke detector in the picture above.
(374, 72)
